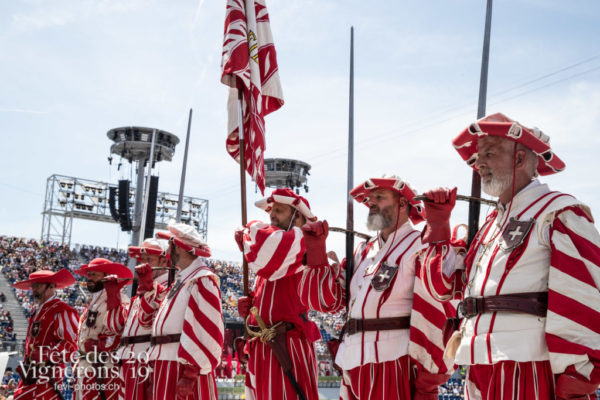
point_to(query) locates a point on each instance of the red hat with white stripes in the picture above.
(187, 238)
(362, 192)
(61, 279)
(107, 267)
(151, 246)
(289, 197)
(501, 126)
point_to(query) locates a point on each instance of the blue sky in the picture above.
(72, 70)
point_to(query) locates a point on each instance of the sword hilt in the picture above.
(259, 320)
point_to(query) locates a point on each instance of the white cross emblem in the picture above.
(514, 233)
(383, 277)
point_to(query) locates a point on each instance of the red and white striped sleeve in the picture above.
(573, 319)
(149, 304)
(321, 289)
(116, 318)
(201, 342)
(66, 322)
(273, 253)
(441, 270)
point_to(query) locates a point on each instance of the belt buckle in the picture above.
(467, 308)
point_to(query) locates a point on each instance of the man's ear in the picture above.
(520, 158)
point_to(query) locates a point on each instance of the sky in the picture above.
(72, 70)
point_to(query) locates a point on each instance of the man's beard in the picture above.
(497, 184)
(38, 297)
(379, 220)
(94, 287)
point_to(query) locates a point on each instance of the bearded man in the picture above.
(288, 255)
(392, 343)
(153, 260)
(100, 328)
(529, 283)
(51, 336)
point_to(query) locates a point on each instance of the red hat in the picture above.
(502, 126)
(61, 279)
(361, 194)
(152, 246)
(186, 237)
(106, 266)
(289, 197)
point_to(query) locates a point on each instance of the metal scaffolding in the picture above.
(68, 198)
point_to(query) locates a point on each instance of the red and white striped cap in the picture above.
(501, 126)
(362, 192)
(289, 197)
(187, 238)
(152, 246)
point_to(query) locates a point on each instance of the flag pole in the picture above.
(474, 206)
(243, 182)
(350, 183)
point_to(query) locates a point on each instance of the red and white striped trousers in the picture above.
(265, 378)
(89, 388)
(377, 381)
(137, 379)
(35, 392)
(510, 380)
(165, 377)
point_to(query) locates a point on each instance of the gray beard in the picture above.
(497, 186)
(377, 222)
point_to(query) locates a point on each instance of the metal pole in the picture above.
(474, 206)
(243, 182)
(147, 191)
(350, 183)
(183, 169)
(139, 191)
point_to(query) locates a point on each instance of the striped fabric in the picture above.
(273, 253)
(165, 377)
(385, 380)
(193, 310)
(57, 331)
(322, 288)
(560, 254)
(265, 378)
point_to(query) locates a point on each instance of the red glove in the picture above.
(113, 292)
(239, 238)
(244, 304)
(145, 283)
(315, 234)
(571, 388)
(90, 345)
(437, 214)
(426, 385)
(187, 383)
(239, 344)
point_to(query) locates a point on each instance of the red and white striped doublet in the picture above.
(282, 292)
(98, 323)
(134, 366)
(53, 331)
(384, 286)
(192, 308)
(560, 255)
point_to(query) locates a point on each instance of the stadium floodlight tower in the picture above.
(134, 143)
(286, 172)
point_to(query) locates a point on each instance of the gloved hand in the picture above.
(239, 238)
(426, 385)
(113, 291)
(239, 344)
(437, 214)
(145, 283)
(244, 304)
(315, 234)
(187, 383)
(90, 345)
(571, 388)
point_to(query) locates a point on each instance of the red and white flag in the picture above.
(249, 63)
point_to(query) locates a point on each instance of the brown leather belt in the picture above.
(534, 303)
(174, 338)
(127, 340)
(353, 326)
